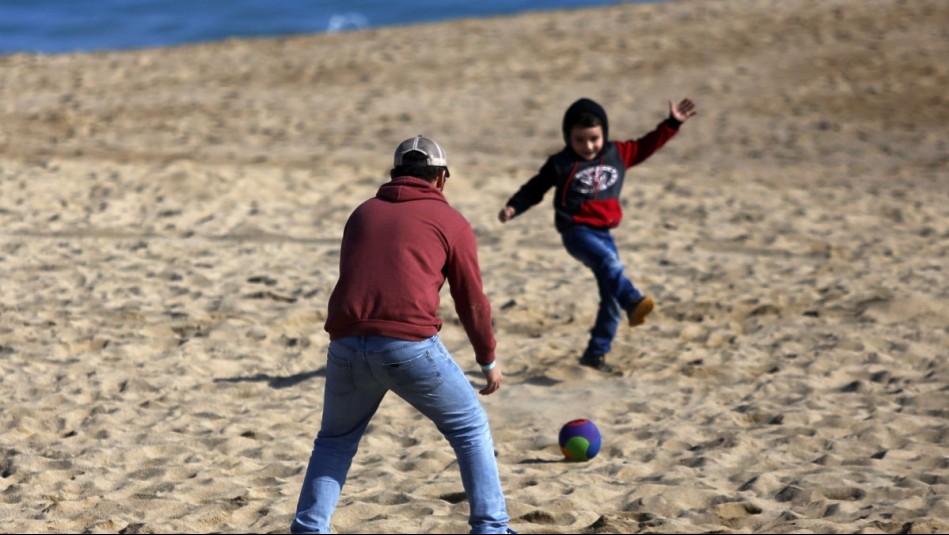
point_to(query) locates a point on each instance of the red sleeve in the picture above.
(635, 152)
(471, 305)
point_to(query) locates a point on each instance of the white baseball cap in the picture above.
(433, 152)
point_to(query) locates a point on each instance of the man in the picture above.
(398, 250)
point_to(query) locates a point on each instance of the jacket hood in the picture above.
(581, 106)
(407, 188)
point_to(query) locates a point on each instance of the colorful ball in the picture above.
(579, 440)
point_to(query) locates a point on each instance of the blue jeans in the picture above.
(596, 249)
(361, 369)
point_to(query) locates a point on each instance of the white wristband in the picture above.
(487, 367)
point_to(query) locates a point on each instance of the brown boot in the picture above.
(637, 314)
(597, 362)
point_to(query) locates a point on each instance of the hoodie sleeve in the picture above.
(635, 152)
(471, 305)
(533, 191)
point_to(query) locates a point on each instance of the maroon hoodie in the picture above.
(398, 249)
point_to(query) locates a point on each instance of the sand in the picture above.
(170, 227)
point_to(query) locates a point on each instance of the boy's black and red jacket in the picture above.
(587, 192)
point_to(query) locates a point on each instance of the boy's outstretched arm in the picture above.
(635, 152)
(683, 110)
(530, 193)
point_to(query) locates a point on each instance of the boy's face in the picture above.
(586, 141)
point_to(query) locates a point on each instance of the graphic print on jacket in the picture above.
(589, 191)
(591, 194)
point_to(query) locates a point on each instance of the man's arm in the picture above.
(472, 306)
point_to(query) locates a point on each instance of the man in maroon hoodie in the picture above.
(398, 250)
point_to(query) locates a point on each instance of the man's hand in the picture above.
(493, 377)
(683, 111)
(506, 214)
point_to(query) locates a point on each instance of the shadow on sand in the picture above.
(275, 381)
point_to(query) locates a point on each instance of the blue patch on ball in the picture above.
(579, 440)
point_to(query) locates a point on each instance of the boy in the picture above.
(587, 176)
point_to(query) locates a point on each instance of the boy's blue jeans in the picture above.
(596, 249)
(361, 369)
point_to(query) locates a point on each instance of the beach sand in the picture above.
(170, 229)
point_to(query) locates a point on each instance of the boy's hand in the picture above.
(683, 111)
(506, 214)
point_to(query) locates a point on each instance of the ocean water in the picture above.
(60, 26)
